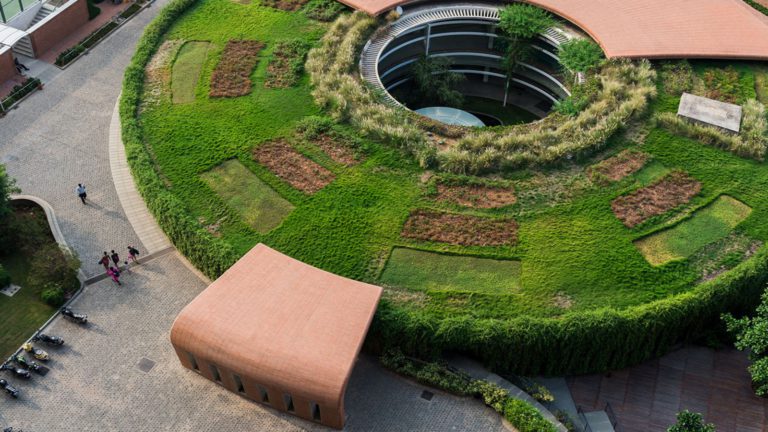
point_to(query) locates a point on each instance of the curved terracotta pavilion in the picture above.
(280, 332)
(653, 29)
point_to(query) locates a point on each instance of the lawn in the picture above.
(571, 252)
(420, 270)
(257, 204)
(706, 226)
(186, 71)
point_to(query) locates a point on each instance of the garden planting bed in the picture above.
(232, 76)
(286, 5)
(476, 196)
(619, 166)
(336, 149)
(459, 229)
(573, 272)
(669, 192)
(293, 167)
(287, 64)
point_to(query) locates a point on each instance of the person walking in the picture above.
(80, 190)
(115, 259)
(105, 261)
(115, 275)
(133, 252)
(19, 65)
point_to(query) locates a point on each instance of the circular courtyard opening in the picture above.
(435, 39)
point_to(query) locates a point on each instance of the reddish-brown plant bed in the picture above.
(672, 190)
(476, 196)
(286, 5)
(293, 167)
(617, 167)
(459, 229)
(336, 150)
(232, 76)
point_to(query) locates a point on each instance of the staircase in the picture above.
(24, 47)
(44, 11)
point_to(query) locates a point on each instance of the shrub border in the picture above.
(582, 342)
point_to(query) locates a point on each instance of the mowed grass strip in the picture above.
(258, 204)
(421, 270)
(186, 71)
(707, 225)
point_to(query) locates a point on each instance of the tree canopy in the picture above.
(752, 334)
(523, 21)
(580, 55)
(435, 83)
(690, 422)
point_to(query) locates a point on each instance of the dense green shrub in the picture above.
(519, 413)
(5, 278)
(209, 254)
(524, 21)
(52, 264)
(53, 294)
(677, 77)
(68, 55)
(690, 422)
(583, 342)
(324, 10)
(752, 335)
(525, 417)
(19, 91)
(435, 84)
(312, 127)
(580, 55)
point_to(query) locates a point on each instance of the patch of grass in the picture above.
(420, 270)
(186, 71)
(651, 172)
(259, 205)
(707, 225)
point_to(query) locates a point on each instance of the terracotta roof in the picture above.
(286, 323)
(728, 29)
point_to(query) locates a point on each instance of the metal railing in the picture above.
(612, 416)
(583, 420)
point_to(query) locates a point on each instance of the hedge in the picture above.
(521, 414)
(209, 254)
(574, 343)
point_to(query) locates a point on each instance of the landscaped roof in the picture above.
(283, 322)
(727, 29)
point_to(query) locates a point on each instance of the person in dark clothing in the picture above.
(105, 261)
(132, 252)
(19, 66)
(80, 191)
(116, 259)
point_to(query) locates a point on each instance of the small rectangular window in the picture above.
(264, 394)
(193, 361)
(239, 383)
(215, 373)
(315, 408)
(288, 402)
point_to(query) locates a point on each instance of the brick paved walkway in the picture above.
(647, 397)
(95, 383)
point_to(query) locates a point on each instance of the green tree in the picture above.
(7, 187)
(752, 334)
(518, 24)
(435, 83)
(690, 422)
(523, 21)
(580, 55)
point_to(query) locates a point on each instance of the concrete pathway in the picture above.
(68, 134)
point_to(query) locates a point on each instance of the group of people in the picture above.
(113, 271)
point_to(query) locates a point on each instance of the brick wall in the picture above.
(59, 27)
(7, 69)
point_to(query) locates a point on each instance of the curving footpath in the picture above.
(119, 373)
